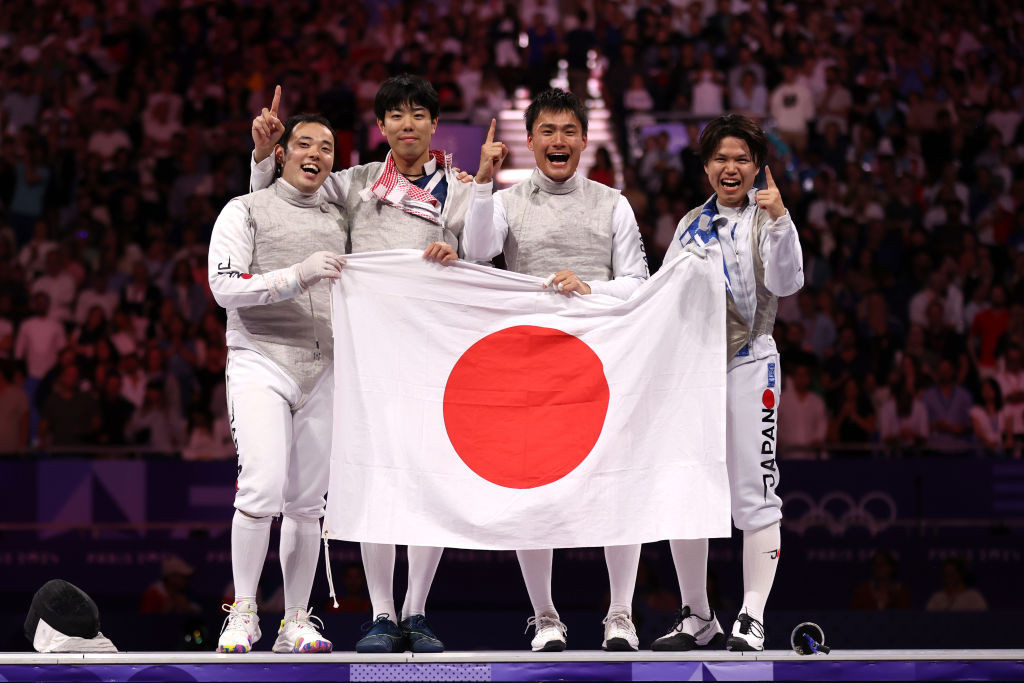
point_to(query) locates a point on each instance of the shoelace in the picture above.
(306, 618)
(383, 616)
(235, 615)
(682, 615)
(543, 622)
(750, 626)
(417, 623)
(620, 620)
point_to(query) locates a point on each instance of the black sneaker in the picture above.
(382, 636)
(419, 636)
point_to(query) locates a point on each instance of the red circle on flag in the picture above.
(768, 399)
(524, 406)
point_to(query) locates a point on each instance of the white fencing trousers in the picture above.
(283, 437)
(752, 411)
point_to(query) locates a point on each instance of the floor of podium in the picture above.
(864, 665)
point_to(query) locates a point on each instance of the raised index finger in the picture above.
(277, 100)
(490, 133)
(768, 176)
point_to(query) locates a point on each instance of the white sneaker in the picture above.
(747, 634)
(619, 633)
(241, 628)
(549, 633)
(691, 632)
(298, 634)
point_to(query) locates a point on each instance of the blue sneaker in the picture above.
(419, 635)
(382, 636)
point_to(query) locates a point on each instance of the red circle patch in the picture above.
(524, 406)
(768, 399)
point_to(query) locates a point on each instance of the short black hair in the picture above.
(554, 99)
(292, 122)
(407, 89)
(733, 126)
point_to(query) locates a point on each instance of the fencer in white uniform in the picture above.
(412, 200)
(268, 254)
(762, 260)
(582, 237)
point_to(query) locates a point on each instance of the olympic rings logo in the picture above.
(838, 512)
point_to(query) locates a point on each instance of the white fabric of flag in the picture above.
(475, 409)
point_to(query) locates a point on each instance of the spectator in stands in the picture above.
(602, 171)
(14, 410)
(903, 419)
(208, 438)
(942, 342)
(170, 594)
(882, 591)
(1011, 384)
(156, 424)
(133, 379)
(70, 416)
(956, 593)
(986, 329)
(707, 94)
(845, 364)
(638, 102)
(948, 405)
(802, 434)
(748, 97)
(32, 256)
(98, 294)
(834, 103)
(657, 160)
(792, 106)
(58, 285)
(115, 411)
(989, 419)
(854, 419)
(40, 338)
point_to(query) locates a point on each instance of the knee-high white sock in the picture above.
(250, 537)
(300, 552)
(761, 549)
(690, 556)
(423, 561)
(536, 566)
(379, 566)
(623, 562)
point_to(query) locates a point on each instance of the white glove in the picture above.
(319, 265)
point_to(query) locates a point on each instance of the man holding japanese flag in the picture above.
(583, 238)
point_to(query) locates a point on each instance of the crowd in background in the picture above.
(896, 142)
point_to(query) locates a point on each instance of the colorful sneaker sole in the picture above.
(234, 649)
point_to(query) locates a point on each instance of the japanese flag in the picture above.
(475, 409)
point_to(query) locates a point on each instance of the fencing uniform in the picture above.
(543, 227)
(280, 344)
(762, 261)
(386, 211)
(279, 382)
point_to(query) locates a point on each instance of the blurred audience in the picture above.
(896, 137)
(883, 590)
(956, 593)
